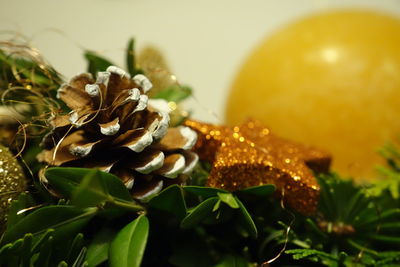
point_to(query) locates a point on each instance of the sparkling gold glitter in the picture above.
(12, 182)
(249, 155)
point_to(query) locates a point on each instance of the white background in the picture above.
(204, 41)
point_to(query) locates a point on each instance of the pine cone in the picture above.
(113, 126)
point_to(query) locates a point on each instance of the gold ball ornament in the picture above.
(330, 80)
(12, 181)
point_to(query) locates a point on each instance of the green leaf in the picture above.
(97, 252)
(203, 191)
(88, 187)
(26, 250)
(233, 261)
(38, 242)
(246, 220)
(174, 93)
(96, 63)
(199, 213)
(305, 253)
(260, 191)
(228, 199)
(395, 240)
(23, 201)
(45, 253)
(128, 247)
(75, 248)
(80, 259)
(65, 219)
(130, 58)
(91, 192)
(170, 200)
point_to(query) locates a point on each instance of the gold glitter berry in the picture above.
(12, 182)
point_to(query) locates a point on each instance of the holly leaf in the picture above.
(128, 247)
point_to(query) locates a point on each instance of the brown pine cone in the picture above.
(113, 126)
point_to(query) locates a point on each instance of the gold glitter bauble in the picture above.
(249, 155)
(331, 80)
(12, 181)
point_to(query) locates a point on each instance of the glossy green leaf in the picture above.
(128, 247)
(65, 219)
(228, 199)
(96, 63)
(91, 192)
(260, 191)
(97, 252)
(199, 213)
(246, 220)
(175, 93)
(170, 200)
(88, 187)
(203, 191)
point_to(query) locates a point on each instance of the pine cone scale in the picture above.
(113, 127)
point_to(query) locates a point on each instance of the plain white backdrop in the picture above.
(204, 41)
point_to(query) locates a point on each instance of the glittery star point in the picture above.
(249, 155)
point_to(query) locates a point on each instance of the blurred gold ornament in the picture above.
(12, 181)
(331, 80)
(249, 155)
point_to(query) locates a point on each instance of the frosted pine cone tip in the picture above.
(113, 126)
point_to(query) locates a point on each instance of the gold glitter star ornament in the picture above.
(249, 155)
(12, 182)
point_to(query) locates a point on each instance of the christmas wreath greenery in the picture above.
(106, 198)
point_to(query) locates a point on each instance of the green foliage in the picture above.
(97, 223)
(175, 93)
(96, 63)
(127, 249)
(391, 183)
(90, 188)
(170, 200)
(352, 228)
(131, 58)
(19, 67)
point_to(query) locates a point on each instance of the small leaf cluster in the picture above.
(351, 227)
(99, 224)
